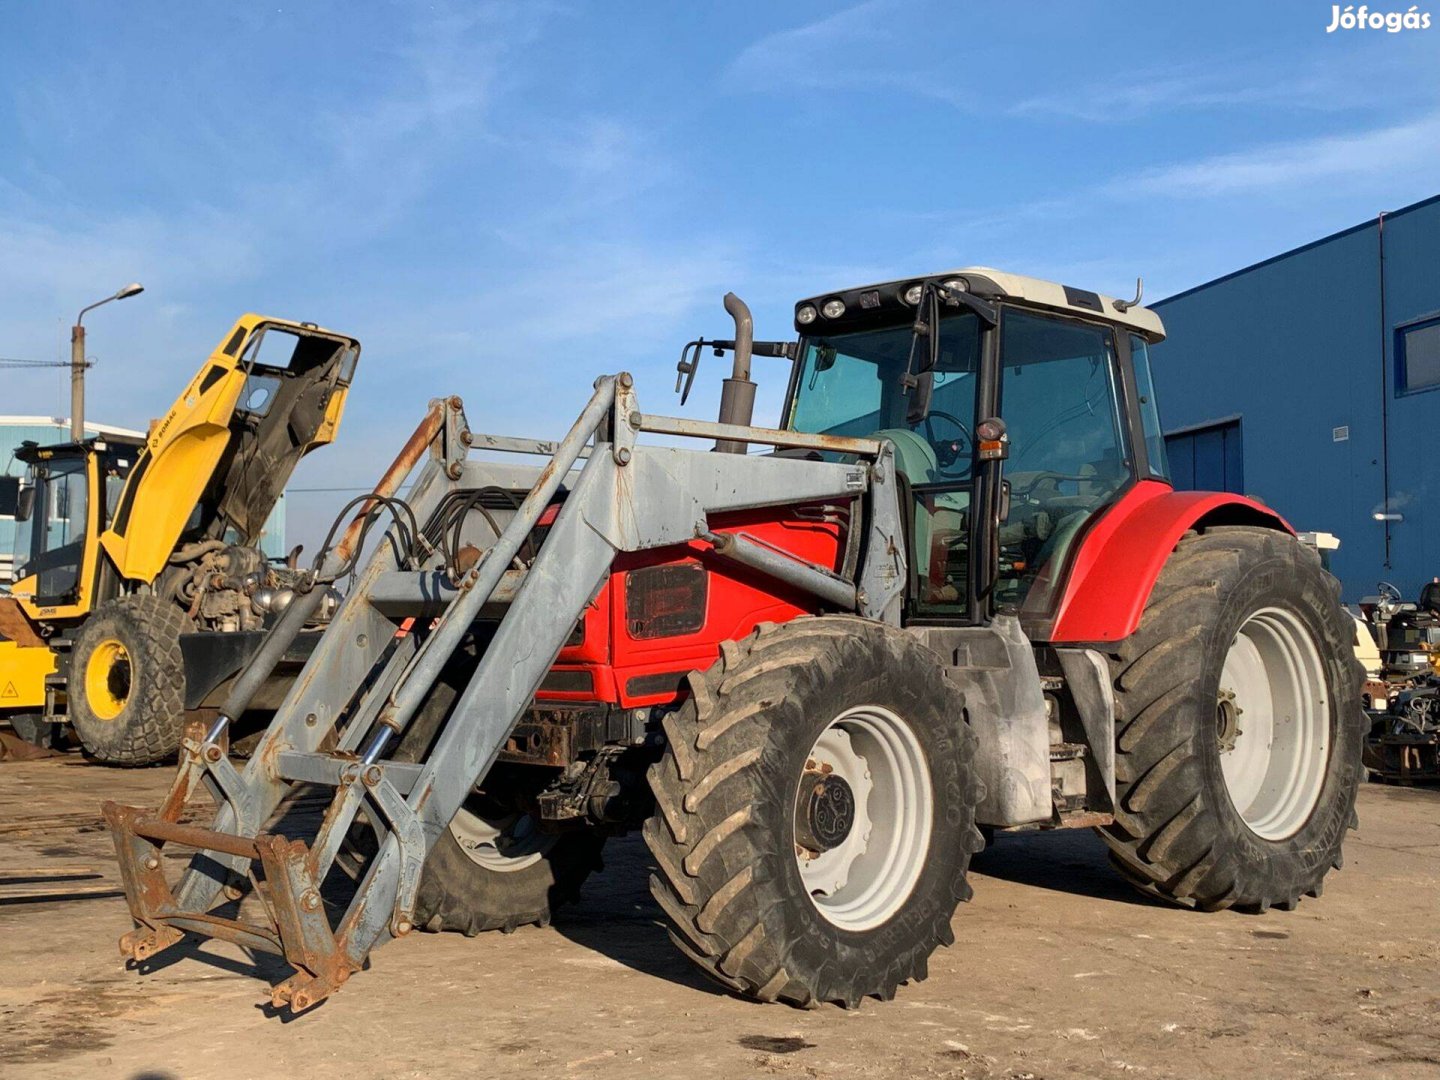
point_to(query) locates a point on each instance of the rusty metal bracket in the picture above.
(299, 929)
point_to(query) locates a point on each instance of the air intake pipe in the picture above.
(737, 398)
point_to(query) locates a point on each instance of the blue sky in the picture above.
(504, 200)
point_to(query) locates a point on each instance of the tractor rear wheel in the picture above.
(1239, 726)
(815, 812)
(126, 687)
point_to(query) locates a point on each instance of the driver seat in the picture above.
(939, 517)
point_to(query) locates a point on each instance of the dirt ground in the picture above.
(1058, 970)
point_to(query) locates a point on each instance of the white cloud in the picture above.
(804, 55)
(1146, 93)
(1377, 153)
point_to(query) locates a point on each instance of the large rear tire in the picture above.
(815, 812)
(126, 686)
(1239, 726)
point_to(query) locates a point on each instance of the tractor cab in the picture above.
(968, 372)
(66, 498)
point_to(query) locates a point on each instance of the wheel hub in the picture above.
(107, 679)
(1274, 767)
(863, 813)
(1227, 720)
(825, 809)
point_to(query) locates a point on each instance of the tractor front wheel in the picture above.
(815, 812)
(1239, 726)
(495, 867)
(499, 871)
(126, 687)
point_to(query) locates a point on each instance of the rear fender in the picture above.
(1121, 556)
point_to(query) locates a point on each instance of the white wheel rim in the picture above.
(1273, 722)
(865, 879)
(503, 844)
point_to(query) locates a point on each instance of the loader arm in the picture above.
(215, 465)
(380, 657)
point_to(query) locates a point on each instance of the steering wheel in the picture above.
(949, 452)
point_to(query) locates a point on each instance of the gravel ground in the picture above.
(1058, 970)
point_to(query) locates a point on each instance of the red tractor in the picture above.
(956, 594)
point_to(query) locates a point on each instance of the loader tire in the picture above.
(492, 869)
(747, 793)
(1243, 639)
(126, 685)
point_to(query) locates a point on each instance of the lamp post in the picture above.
(77, 361)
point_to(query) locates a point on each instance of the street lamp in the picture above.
(77, 361)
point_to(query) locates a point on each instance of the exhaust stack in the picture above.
(737, 398)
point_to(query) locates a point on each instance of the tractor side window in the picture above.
(1059, 396)
(1149, 411)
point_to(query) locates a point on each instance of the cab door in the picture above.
(1061, 397)
(51, 565)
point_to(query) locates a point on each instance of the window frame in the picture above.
(1402, 387)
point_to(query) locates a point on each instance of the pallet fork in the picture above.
(367, 677)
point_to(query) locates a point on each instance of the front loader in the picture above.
(954, 591)
(141, 588)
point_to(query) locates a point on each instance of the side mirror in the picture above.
(9, 495)
(922, 388)
(25, 504)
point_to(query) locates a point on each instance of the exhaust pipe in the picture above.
(737, 398)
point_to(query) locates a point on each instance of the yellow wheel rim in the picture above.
(107, 679)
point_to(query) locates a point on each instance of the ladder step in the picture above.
(403, 594)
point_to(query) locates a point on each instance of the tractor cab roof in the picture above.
(30, 452)
(860, 303)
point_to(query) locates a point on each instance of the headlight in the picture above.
(805, 315)
(958, 284)
(833, 309)
(912, 295)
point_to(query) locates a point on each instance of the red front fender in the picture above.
(1121, 555)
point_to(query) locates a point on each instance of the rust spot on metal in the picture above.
(399, 469)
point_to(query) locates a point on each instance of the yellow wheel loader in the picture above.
(140, 587)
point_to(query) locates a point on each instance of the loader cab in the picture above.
(1066, 371)
(64, 501)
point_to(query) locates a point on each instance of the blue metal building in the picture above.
(1312, 380)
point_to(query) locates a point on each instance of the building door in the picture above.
(1207, 458)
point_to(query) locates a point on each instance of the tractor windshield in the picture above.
(852, 384)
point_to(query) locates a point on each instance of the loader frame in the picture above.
(366, 678)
